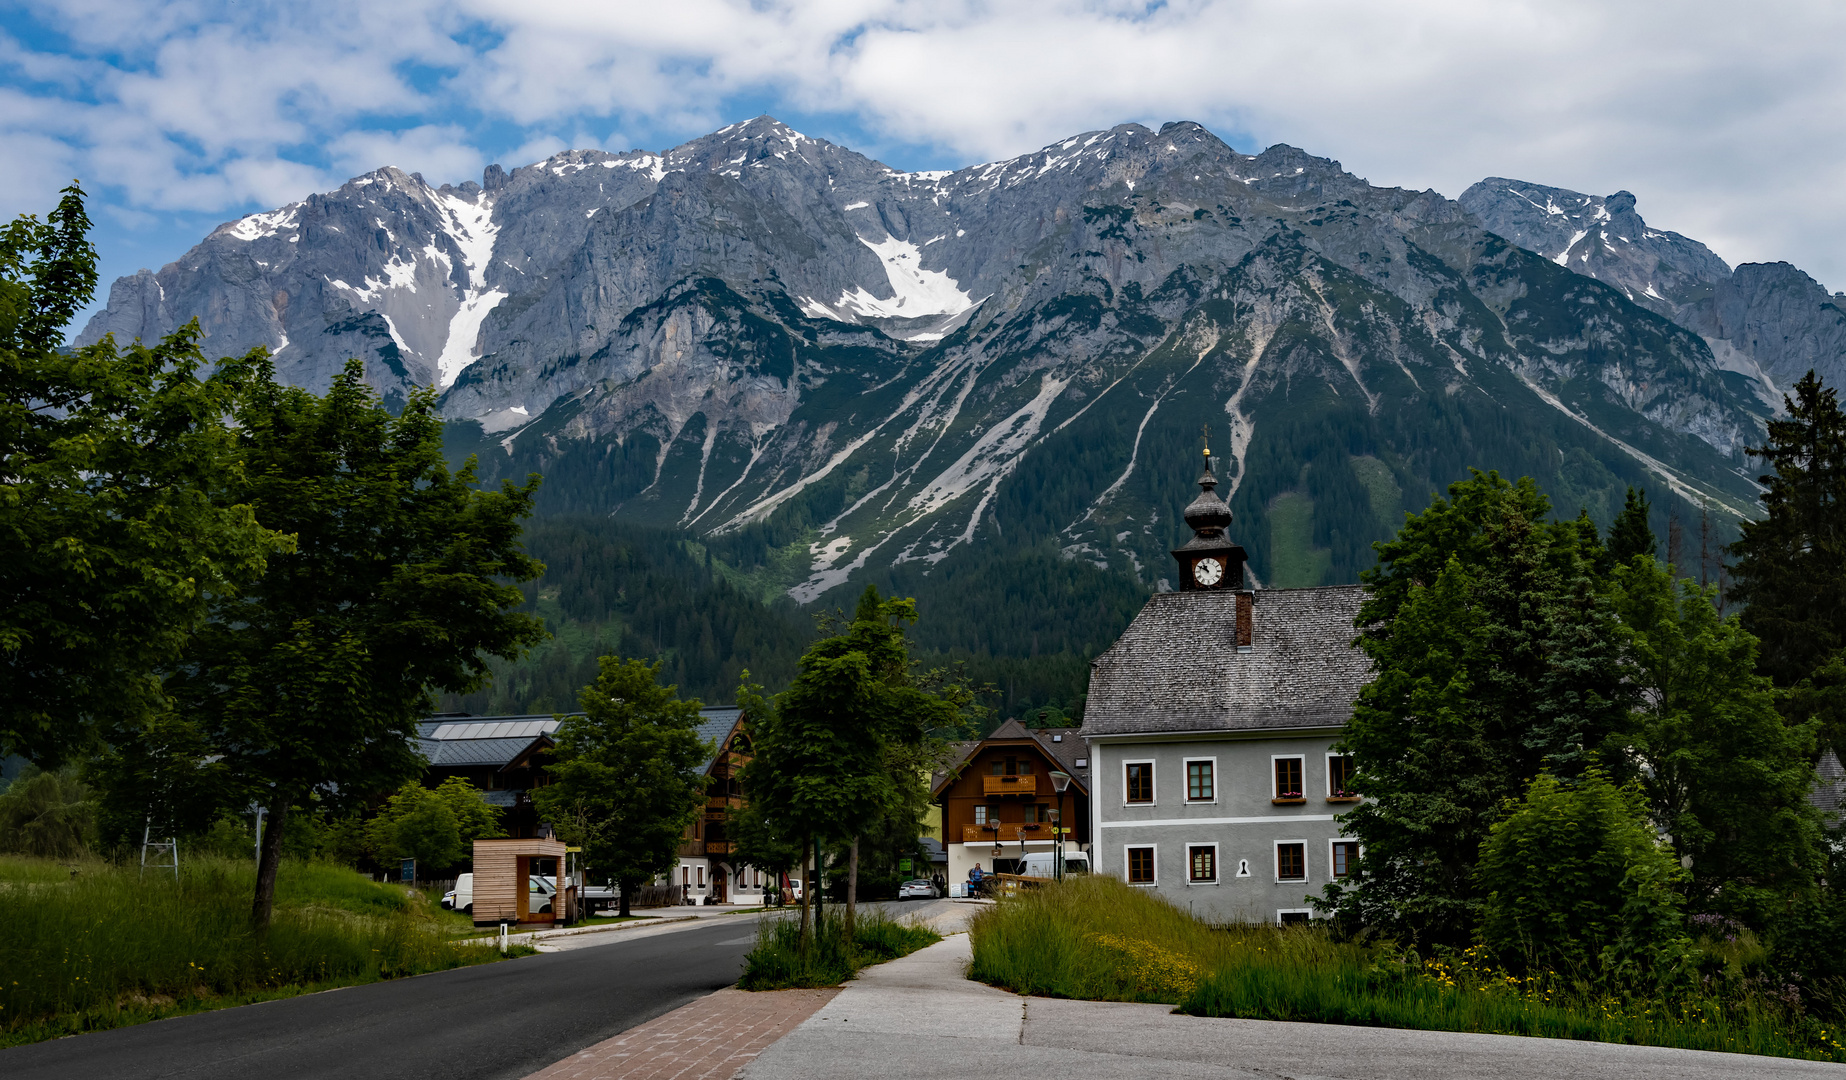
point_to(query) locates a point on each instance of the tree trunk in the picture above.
(815, 877)
(627, 887)
(265, 903)
(807, 890)
(852, 890)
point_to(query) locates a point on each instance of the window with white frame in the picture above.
(1294, 916)
(1202, 863)
(1140, 861)
(1201, 780)
(1345, 857)
(1288, 777)
(1340, 771)
(1292, 860)
(1137, 782)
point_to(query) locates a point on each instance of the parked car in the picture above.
(538, 901)
(917, 889)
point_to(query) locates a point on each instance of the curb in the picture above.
(533, 936)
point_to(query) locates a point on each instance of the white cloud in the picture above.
(1729, 126)
(439, 151)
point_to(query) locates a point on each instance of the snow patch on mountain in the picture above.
(918, 291)
(470, 224)
(268, 223)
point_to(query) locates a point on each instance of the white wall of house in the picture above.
(1256, 860)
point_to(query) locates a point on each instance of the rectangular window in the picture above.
(1288, 778)
(1140, 866)
(685, 875)
(1291, 862)
(1199, 785)
(1345, 857)
(1339, 776)
(1202, 863)
(701, 877)
(1293, 918)
(980, 815)
(1025, 767)
(1031, 813)
(999, 767)
(1140, 782)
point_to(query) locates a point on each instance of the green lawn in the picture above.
(110, 946)
(1096, 938)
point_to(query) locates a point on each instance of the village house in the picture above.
(504, 757)
(1210, 726)
(999, 803)
(707, 871)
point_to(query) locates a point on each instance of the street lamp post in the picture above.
(1059, 781)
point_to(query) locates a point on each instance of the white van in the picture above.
(1044, 864)
(461, 898)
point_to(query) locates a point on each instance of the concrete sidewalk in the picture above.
(924, 1008)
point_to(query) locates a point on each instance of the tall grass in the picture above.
(781, 960)
(1097, 938)
(112, 946)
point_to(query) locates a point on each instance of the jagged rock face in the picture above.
(763, 328)
(1769, 323)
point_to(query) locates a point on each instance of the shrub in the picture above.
(48, 814)
(782, 960)
(1576, 882)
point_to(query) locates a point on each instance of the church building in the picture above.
(1211, 723)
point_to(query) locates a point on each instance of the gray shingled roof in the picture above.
(1177, 666)
(715, 726)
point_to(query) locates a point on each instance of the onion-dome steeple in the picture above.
(1209, 560)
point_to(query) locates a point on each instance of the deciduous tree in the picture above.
(118, 498)
(1497, 657)
(1724, 774)
(312, 678)
(624, 776)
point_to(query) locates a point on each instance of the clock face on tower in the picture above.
(1207, 571)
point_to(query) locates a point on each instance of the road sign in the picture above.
(903, 866)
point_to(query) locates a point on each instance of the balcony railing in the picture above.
(1005, 832)
(1009, 785)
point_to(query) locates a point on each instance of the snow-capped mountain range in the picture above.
(761, 329)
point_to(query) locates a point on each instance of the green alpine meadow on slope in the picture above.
(1097, 938)
(90, 946)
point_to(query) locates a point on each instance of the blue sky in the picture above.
(1727, 121)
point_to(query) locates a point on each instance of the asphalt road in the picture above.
(496, 1021)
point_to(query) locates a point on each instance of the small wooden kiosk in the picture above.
(502, 873)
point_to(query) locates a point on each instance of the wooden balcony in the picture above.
(1005, 832)
(1009, 785)
(717, 847)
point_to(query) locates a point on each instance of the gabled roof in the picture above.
(1177, 666)
(459, 741)
(715, 726)
(1062, 745)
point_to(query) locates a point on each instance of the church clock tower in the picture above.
(1209, 560)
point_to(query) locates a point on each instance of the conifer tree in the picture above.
(1791, 564)
(1630, 534)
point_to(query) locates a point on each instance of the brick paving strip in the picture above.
(711, 1039)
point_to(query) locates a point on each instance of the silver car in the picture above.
(917, 889)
